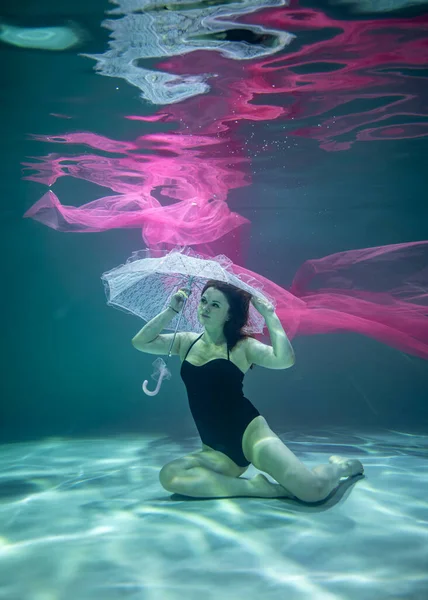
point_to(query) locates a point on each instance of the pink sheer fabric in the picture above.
(174, 185)
(199, 222)
(379, 292)
(176, 195)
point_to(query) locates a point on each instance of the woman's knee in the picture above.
(170, 471)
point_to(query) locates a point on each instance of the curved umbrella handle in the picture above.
(157, 388)
(161, 368)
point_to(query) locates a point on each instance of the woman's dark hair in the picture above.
(239, 306)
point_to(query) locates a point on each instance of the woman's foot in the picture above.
(350, 466)
(263, 488)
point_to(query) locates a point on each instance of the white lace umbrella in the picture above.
(144, 285)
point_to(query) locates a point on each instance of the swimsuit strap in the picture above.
(192, 344)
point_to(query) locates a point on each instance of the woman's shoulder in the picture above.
(244, 342)
(187, 337)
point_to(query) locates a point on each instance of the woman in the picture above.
(233, 432)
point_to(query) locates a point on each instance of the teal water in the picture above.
(82, 512)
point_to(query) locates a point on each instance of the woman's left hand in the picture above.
(264, 307)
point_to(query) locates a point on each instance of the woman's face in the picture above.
(213, 308)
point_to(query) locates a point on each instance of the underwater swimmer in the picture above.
(233, 432)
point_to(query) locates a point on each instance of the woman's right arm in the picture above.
(149, 338)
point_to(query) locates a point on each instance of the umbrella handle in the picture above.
(161, 368)
(164, 371)
(157, 388)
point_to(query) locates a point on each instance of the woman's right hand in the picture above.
(177, 300)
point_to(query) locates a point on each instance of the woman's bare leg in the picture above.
(268, 453)
(211, 474)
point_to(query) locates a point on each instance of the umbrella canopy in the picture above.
(144, 285)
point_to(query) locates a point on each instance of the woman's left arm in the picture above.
(281, 354)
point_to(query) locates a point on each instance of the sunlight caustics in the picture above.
(115, 531)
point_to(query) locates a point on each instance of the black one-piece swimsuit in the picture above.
(218, 405)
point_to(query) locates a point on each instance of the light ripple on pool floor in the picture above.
(87, 519)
